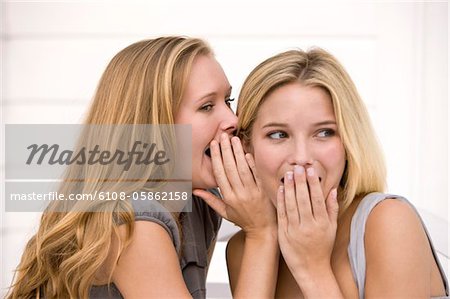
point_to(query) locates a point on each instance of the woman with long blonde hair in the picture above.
(319, 162)
(118, 248)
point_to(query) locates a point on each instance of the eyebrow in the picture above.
(274, 125)
(326, 122)
(213, 94)
(283, 125)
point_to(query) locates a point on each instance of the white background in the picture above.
(54, 52)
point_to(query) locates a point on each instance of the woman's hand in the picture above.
(253, 263)
(306, 226)
(244, 202)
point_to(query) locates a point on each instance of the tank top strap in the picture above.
(356, 250)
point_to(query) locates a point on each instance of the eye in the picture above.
(277, 135)
(326, 133)
(228, 101)
(207, 107)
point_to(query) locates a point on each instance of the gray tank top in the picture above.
(356, 250)
(199, 229)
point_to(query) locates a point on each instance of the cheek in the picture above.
(268, 162)
(203, 131)
(195, 133)
(196, 143)
(266, 166)
(334, 160)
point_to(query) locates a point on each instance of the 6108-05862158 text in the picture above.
(137, 195)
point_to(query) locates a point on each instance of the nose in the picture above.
(300, 153)
(229, 122)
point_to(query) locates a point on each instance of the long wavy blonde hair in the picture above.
(365, 170)
(143, 84)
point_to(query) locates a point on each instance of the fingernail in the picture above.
(334, 194)
(281, 189)
(289, 175)
(299, 169)
(310, 171)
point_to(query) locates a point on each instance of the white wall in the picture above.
(53, 54)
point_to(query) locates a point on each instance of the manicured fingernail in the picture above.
(310, 171)
(281, 189)
(334, 194)
(299, 169)
(289, 175)
(224, 136)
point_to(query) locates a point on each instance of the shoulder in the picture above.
(397, 250)
(149, 256)
(157, 214)
(393, 217)
(147, 241)
(148, 231)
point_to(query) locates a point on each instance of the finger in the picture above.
(229, 163)
(290, 199)
(317, 199)
(252, 165)
(213, 201)
(218, 168)
(281, 210)
(243, 168)
(302, 194)
(332, 206)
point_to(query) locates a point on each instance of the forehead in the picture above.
(206, 76)
(296, 103)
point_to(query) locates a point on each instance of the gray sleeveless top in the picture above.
(199, 229)
(356, 250)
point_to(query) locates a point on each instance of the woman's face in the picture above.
(296, 125)
(206, 106)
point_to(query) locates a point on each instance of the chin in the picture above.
(207, 183)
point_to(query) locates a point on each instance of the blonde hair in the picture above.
(365, 169)
(143, 84)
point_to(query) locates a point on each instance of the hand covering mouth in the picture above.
(208, 151)
(282, 180)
